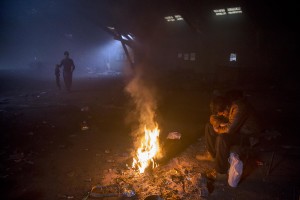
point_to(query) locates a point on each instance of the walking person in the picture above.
(68, 68)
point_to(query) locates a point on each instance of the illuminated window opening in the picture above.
(170, 19)
(220, 12)
(173, 18)
(235, 10)
(229, 11)
(232, 57)
(178, 17)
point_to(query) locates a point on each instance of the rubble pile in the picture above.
(181, 177)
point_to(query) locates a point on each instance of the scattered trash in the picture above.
(63, 196)
(115, 190)
(128, 192)
(179, 178)
(86, 197)
(88, 180)
(235, 170)
(85, 109)
(153, 197)
(17, 157)
(105, 191)
(84, 126)
(124, 155)
(174, 136)
(29, 162)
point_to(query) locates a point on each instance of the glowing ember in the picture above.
(147, 151)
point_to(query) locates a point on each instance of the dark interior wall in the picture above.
(265, 48)
(263, 53)
(211, 47)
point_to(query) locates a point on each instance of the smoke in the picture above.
(144, 105)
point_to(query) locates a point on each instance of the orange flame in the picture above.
(147, 151)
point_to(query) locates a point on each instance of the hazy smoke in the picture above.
(143, 96)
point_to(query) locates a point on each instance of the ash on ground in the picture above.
(182, 177)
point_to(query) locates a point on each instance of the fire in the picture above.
(148, 150)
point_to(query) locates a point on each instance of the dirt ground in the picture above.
(46, 155)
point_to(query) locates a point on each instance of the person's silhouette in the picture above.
(68, 68)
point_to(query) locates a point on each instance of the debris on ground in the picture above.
(174, 136)
(85, 109)
(84, 126)
(183, 177)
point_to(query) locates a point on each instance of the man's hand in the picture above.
(215, 120)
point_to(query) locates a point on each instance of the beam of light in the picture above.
(105, 59)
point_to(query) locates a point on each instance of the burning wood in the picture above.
(148, 150)
(180, 178)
